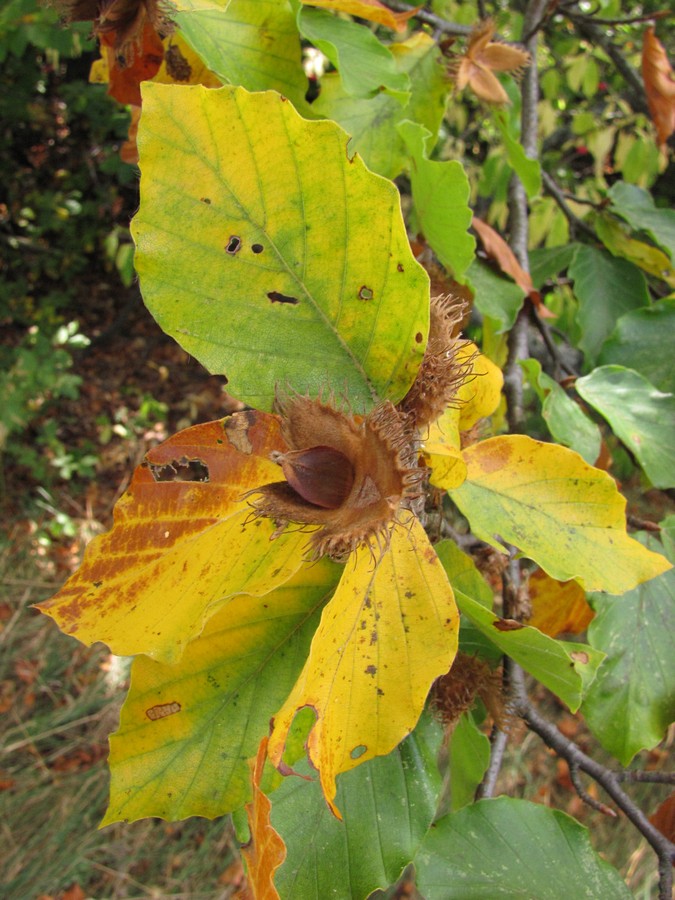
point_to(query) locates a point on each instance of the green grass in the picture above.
(59, 703)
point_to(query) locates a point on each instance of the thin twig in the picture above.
(547, 337)
(583, 793)
(430, 18)
(638, 775)
(498, 741)
(606, 778)
(642, 524)
(576, 224)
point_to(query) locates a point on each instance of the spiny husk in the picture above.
(125, 18)
(455, 692)
(380, 448)
(441, 374)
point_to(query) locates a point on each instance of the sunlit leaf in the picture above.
(186, 730)
(557, 606)
(566, 421)
(512, 848)
(441, 198)
(632, 702)
(606, 289)
(266, 851)
(643, 340)
(480, 394)
(388, 804)
(389, 631)
(372, 123)
(646, 256)
(371, 10)
(252, 43)
(637, 207)
(268, 290)
(365, 65)
(562, 513)
(640, 415)
(178, 549)
(659, 85)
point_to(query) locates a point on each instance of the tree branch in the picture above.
(575, 223)
(430, 18)
(606, 778)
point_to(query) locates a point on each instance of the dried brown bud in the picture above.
(347, 474)
(441, 374)
(483, 57)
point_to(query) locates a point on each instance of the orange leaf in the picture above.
(179, 549)
(659, 85)
(558, 606)
(125, 78)
(266, 851)
(372, 10)
(664, 818)
(483, 57)
(497, 249)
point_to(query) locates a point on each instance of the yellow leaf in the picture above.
(372, 10)
(442, 450)
(480, 394)
(179, 549)
(564, 514)
(266, 851)
(389, 631)
(646, 256)
(557, 606)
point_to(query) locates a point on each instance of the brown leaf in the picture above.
(664, 817)
(659, 85)
(557, 606)
(266, 851)
(126, 75)
(483, 57)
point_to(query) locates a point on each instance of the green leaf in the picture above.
(441, 197)
(643, 340)
(187, 730)
(632, 702)
(565, 419)
(640, 415)
(372, 123)
(606, 289)
(496, 297)
(505, 848)
(469, 759)
(547, 262)
(651, 259)
(564, 667)
(637, 207)
(388, 805)
(252, 43)
(365, 65)
(562, 513)
(528, 170)
(273, 261)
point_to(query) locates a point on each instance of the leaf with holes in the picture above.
(187, 729)
(389, 631)
(179, 549)
(564, 514)
(272, 255)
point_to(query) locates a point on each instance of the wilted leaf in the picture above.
(365, 65)
(388, 804)
(497, 249)
(566, 421)
(187, 729)
(606, 289)
(664, 818)
(561, 512)
(640, 416)
(557, 606)
(389, 631)
(632, 702)
(441, 198)
(179, 549)
(484, 57)
(643, 340)
(372, 10)
(252, 43)
(372, 123)
(124, 80)
(271, 291)
(659, 85)
(266, 851)
(512, 848)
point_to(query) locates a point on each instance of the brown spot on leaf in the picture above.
(419, 337)
(162, 710)
(365, 293)
(579, 656)
(177, 65)
(507, 625)
(233, 245)
(257, 248)
(371, 670)
(276, 297)
(206, 200)
(399, 268)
